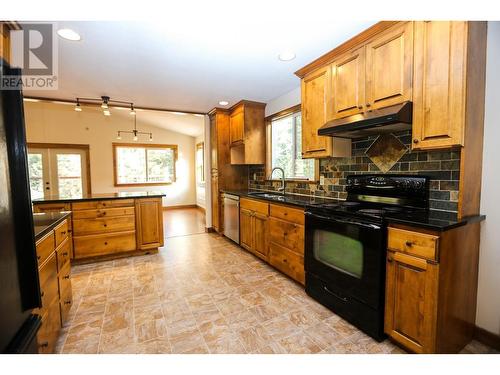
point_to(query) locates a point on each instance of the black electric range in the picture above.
(345, 245)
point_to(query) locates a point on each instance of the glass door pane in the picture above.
(39, 174)
(68, 172)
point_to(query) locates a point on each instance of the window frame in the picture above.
(269, 120)
(145, 146)
(201, 146)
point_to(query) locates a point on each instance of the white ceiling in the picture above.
(192, 60)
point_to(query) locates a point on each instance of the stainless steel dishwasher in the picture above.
(232, 217)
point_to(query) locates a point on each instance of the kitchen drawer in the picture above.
(45, 247)
(103, 244)
(63, 253)
(61, 232)
(254, 205)
(51, 207)
(90, 205)
(65, 280)
(65, 304)
(49, 289)
(414, 243)
(102, 225)
(287, 262)
(49, 330)
(101, 213)
(286, 213)
(287, 234)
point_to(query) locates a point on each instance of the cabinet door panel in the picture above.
(246, 229)
(261, 242)
(316, 96)
(236, 123)
(389, 67)
(439, 84)
(348, 84)
(149, 222)
(411, 300)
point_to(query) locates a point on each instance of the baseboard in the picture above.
(165, 208)
(200, 208)
(210, 230)
(487, 338)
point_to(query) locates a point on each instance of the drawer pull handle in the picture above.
(65, 254)
(66, 277)
(409, 243)
(105, 225)
(67, 302)
(63, 233)
(44, 344)
(38, 257)
(105, 243)
(42, 294)
(344, 299)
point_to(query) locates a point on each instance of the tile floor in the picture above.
(203, 294)
(183, 222)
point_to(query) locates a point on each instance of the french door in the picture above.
(58, 172)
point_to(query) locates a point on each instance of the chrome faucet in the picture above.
(282, 188)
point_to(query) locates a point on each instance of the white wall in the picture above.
(488, 300)
(284, 101)
(48, 122)
(200, 186)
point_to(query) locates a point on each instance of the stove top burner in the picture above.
(349, 204)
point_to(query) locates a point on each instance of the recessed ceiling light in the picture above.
(69, 34)
(223, 102)
(286, 56)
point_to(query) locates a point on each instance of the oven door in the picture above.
(348, 255)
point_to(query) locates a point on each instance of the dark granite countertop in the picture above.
(291, 199)
(99, 196)
(45, 222)
(431, 219)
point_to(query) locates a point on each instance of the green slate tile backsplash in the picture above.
(442, 166)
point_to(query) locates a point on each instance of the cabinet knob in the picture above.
(38, 257)
(409, 243)
(415, 141)
(67, 302)
(389, 260)
(65, 254)
(105, 225)
(42, 294)
(44, 344)
(105, 243)
(66, 277)
(368, 104)
(360, 107)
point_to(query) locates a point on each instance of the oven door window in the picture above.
(343, 253)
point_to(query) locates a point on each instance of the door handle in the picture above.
(344, 299)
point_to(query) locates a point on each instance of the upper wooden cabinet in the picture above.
(247, 133)
(439, 84)
(316, 99)
(389, 67)
(348, 84)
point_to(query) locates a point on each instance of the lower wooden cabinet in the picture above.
(274, 233)
(149, 222)
(431, 287)
(254, 227)
(55, 285)
(411, 294)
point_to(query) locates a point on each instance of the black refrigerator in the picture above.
(19, 285)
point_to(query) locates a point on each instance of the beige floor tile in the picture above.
(214, 329)
(160, 345)
(324, 335)
(121, 341)
(253, 338)
(116, 322)
(87, 345)
(231, 306)
(299, 343)
(190, 342)
(145, 313)
(265, 312)
(280, 327)
(150, 329)
(272, 348)
(226, 344)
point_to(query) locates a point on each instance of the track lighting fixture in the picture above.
(106, 102)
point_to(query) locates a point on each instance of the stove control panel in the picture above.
(388, 184)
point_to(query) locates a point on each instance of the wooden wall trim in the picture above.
(85, 148)
(179, 207)
(344, 47)
(487, 338)
(284, 112)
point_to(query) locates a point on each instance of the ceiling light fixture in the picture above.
(78, 107)
(134, 132)
(105, 102)
(223, 102)
(69, 34)
(286, 56)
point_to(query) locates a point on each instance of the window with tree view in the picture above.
(144, 164)
(286, 148)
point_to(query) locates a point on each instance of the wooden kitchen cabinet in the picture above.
(224, 176)
(411, 294)
(254, 227)
(149, 223)
(316, 101)
(431, 287)
(348, 84)
(389, 67)
(439, 84)
(247, 133)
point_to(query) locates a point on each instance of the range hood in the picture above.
(388, 119)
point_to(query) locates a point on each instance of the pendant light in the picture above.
(78, 108)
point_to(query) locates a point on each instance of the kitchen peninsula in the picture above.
(105, 226)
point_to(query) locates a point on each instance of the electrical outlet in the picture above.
(322, 180)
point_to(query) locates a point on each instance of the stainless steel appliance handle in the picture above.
(338, 220)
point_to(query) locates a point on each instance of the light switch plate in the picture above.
(322, 180)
